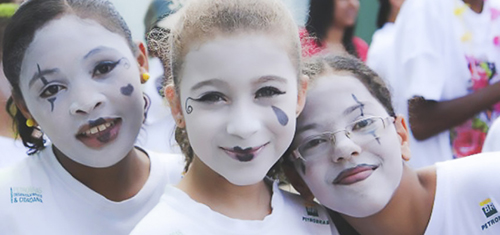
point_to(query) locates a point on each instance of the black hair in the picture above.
(19, 33)
(321, 15)
(383, 13)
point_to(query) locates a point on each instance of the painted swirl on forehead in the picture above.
(127, 90)
(282, 117)
(361, 105)
(189, 108)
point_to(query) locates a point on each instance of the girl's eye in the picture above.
(104, 67)
(360, 125)
(268, 92)
(51, 91)
(212, 97)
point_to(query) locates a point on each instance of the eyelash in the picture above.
(268, 91)
(212, 97)
(46, 93)
(108, 65)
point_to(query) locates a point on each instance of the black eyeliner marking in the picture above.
(44, 80)
(97, 122)
(244, 155)
(127, 90)
(377, 138)
(126, 63)
(282, 117)
(361, 105)
(51, 100)
(104, 138)
(189, 108)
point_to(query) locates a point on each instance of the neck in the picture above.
(475, 5)
(334, 35)
(202, 184)
(409, 210)
(116, 183)
(394, 13)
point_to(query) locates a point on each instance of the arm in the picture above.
(428, 118)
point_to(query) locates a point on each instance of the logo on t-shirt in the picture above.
(313, 215)
(488, 208)
(26, 195)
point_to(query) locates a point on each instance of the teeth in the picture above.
(99, 128)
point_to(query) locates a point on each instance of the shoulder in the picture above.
(473, 172)
(361, 47)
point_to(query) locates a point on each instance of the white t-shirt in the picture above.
(381, 59)
(13, 151)
(158, 131)
(446, 51)
(177, 213)
(38, 196)
(467, 194)
(492, 141)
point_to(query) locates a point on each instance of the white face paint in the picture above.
(78, 77)
(375, 165)
(239, 96)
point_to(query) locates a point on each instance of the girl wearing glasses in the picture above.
(351, 154)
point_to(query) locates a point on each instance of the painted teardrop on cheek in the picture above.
(51, 100)
(127, 90)
(282, 117)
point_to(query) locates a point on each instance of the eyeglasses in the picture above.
(360, 132)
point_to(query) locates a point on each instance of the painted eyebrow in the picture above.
(98, 50)
(305, 128)
(216, 81)
(353, 108)
(40, 74)
(268, 78)
(210, 82)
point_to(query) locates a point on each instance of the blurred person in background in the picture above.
(447, 54)
(380, 54)
(330, 28)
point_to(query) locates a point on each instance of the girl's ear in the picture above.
(302, 94)
(21, 107)
(142, 57)
(404, 135)
(175, 105)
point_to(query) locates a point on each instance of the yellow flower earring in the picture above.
(145, 77)
(30, 122)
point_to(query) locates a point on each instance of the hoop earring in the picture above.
(145, 77)
(30, 122)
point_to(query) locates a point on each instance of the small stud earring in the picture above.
(30, 122)
(145, 77)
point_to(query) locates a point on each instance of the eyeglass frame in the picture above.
(296, 154)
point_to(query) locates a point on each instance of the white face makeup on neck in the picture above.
(356, 178)
(239, 98)
(81, 84)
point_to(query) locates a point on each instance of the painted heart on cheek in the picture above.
(127, 90)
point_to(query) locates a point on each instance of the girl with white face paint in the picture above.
(236, 92)
(351, 156)
(75, 76)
